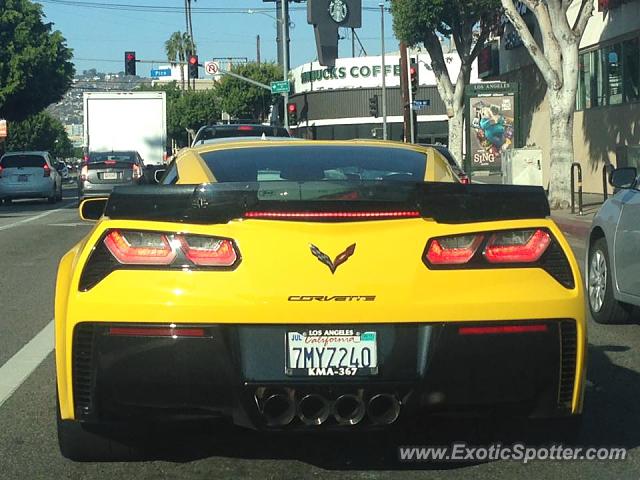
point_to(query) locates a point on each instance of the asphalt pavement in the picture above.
(33, 237)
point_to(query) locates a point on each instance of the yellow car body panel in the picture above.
(276, 265)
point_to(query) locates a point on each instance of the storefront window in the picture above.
(583, 97)
(613, 56)
(631, 56)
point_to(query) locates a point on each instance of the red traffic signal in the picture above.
(413, 78)
(292, 113)
(129, 63)
(193, 66)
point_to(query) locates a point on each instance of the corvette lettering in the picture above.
(332, 298)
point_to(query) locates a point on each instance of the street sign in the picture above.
(420, 104)
(161, 72)
(282, 86)
(211, 68)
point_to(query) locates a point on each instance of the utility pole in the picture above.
(285, 55)
(384, 75)
(404, 90)
(353, 42)
(258, 49)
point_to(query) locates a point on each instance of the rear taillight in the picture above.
(137, 173)
(85, 159)
(208, 251)
(156, 248)
(47, 170)
(525, 246)
(140, 248)
(519, 246)
(465, 180)
(84, 172)
(0, 171)
(110, 162)
(453, 250)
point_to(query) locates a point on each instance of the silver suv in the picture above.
(29, 175)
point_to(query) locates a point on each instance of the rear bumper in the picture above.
(430, 369)
(39, 190)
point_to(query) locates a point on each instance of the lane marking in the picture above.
(36, 217)
(25, 361)
(73, 224)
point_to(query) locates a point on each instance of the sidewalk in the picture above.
(578, 225)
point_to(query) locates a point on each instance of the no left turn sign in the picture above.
(212, 68)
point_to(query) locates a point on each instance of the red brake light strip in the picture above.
(498, 329)
(156, 332)
(391, 214)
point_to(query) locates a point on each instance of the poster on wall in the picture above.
(491, 130)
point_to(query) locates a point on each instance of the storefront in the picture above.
(607, 118)
(333, 103)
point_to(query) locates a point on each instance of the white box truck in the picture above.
(126, 121)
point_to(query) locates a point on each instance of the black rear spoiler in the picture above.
(222, 202)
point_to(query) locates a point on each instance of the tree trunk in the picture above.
(456, 132)
(561, 113)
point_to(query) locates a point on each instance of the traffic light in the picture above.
(373, 106)
(193, 66)
(129, 63)
(292, 113)
(413, 77)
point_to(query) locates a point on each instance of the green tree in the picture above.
(178, 48)
(39, 132)
(35, 67)
(246, 101)
(469, 23)
(191, 111)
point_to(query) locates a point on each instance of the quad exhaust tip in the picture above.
(278, 408)
(349, 409)
(313, 409)
(383, 409)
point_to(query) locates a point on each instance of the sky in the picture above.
(100, 36)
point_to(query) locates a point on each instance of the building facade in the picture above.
(333, 103)
(607, 117)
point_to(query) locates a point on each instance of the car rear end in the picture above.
(214, 133)
(26, 175)
(102, 171)
(290, 311)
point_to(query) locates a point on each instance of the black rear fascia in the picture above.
(451, 203)
(553, 260)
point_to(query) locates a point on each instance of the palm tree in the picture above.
(176, 51)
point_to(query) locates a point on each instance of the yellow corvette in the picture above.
(315, 285)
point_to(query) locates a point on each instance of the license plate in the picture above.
(331, 352)
(109, 176)
(23, 178)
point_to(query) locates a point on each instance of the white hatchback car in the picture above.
(29, 175)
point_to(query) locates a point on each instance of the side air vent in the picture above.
(568, 355)
(83, 378)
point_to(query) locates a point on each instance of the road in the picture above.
(33, 236)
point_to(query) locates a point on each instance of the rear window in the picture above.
(313, 163)
(212, 132)
(16, 161)
(112, 156)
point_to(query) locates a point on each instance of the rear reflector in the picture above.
(498, 329)
(517, 246)
(156, 332)
(455, 250)
(209, 251)
(140, 248)
(329, 215)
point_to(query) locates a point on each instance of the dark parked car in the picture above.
(455, 166)
(101, 171)
(212, 133)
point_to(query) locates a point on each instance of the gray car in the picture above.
(613, 256)
(104, 170)
(29, 175)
